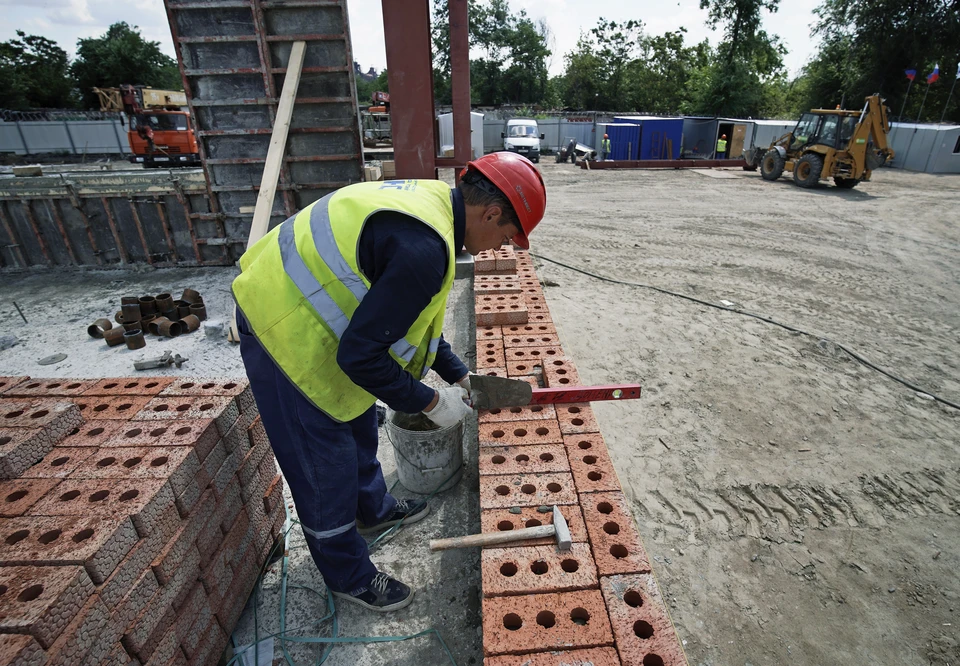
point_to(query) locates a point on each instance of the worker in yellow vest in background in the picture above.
(722, 147)
(343, 305)
(605, 147)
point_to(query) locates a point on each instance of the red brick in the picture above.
(59, 463)
(236, 437)
(118, 657)
(216, 577)
(141, 386)
(176, 590)
(560, 372)
(21, 650)
(273, 496)
(234, 602)
(616, 543)
(496, 284)
(590, 463)
(22, 447)
(497, 492)
(500, 310)
(502, 520)
(41, 601)
(532, 291)
(531, 459)
(131, 568)
(212, 646)
(167, 647)
(176, 464)
(518, 369)
(96, 544)
(218, 386)
(211, 536)
(230, 504)
(577, 418)
(59, 416)
(536, 569)
(539, 318)
(18, 496)
(641, 623)
(520, 433)
(225, 474)
(193, 619)
(91, 434)
(528, 329)
(490, 354)
(49, 387)
(137, 635)
(506, 259)
(253, 457)
(223, 410)
(485, 262)
(531, 340)
(132, 604)
(187, 500)
(213, 461)
(492, 372)
(528, 413)
(544, 354)
(235, 537)
(488, 333)
(199, 434)
(604, 656)
(85, 635)
(8, 382)
(518, 625)
(534, 309)
(111, 408)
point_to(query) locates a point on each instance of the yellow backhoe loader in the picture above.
(840, 144)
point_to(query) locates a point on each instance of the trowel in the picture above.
(488, 392)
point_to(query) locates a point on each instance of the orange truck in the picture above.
(159, 127)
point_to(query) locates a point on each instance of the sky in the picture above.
(66, 21)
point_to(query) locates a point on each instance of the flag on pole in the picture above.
(934, 75)
(911, 73)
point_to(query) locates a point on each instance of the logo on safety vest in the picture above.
(523, 198)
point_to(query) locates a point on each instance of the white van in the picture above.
(522, 135)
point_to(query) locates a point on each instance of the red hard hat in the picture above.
(724, 136)
(606, 136)
(516, 177)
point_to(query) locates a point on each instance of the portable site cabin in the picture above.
(761, 133)
(699, 137)
(660, 138)
(624, 141)
(445, 121)
(929, 148)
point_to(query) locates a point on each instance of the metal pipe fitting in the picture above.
(199, 310)
(118, 317)
(148, 305)
(172, 314)
(164, 302)
(129, 300)
(130, 311)
(183, 308)
(191, 322)
(97, 328)
(170, 329)
(154, 325)
(132, 326)
(114, 336)
(191, 296)
(134, 339)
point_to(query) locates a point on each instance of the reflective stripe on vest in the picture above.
(312, 290)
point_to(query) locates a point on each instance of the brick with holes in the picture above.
(520, 433)
(22, 447)
(544, 354)
(59, 463)
(59, 416)
(91, 434)
(489, 333)
(118, 657)
(252, 458)
(492, 372)
(210, 536)
(225, 474)
(536, 569)
(538, 622)
(110, 408)
(49, 387)
(139, 386)
(8, 382)
(41, 601)
(215, 459)
(97, 544)
(137, 635)
(539, 317)
(485, 262)
(528, 413)
(641, 623)
(500, 310)
(577, 418)
(273, 496)
(216, 577)
(617, 548)
(212, 644)
(590, 463)
(506, 258)
(223, 410)
(178, 464)
(520, 369)
(192, 619)
(20, 495)
(526, 490)
(532, 459)
(141, 499)
(502, 520)
(604, 656)
(496, 284)
(490, 354)
(199, 434)
(218, 386)
(511, 341)
(133, 603)
(560, 372)
(21, 650)
(236, 437)
(178, 587)
(167, 647)
(528, 329)
(83, 637)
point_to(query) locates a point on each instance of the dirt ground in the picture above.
(799, 507)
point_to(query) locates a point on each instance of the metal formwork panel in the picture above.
(233, 56)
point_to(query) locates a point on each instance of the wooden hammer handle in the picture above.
(492, 538)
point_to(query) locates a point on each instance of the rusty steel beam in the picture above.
(661, 164)
(58, 219)
(121, 249)
(269, 130)
(143, 238)
(184, 200)
(36, 231)
(406, 26)
(460, 81)
(289, 158)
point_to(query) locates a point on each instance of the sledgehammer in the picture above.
(559, 529)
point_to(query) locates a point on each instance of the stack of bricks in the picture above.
(135, 516)
(597, 603)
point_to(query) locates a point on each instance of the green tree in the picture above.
(617, 45)
(584, 75)
(120, 56)
(660, 79)
(34, 73)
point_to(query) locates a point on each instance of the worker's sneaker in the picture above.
(409, 511)
(382, 594)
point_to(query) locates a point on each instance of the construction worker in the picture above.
(605, 147)
(342, 305)
(722, 147)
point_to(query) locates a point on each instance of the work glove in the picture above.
(464, 382)
(451, 407)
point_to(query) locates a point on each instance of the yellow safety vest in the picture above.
(301, 283)
(606, 145)
(721, 145)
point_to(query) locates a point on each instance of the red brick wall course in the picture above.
(496, 284)
(490, 354)
(137, 634)
(22, 447)
(485, 262)
(560, 372)
(538, 622)
(139, 386)
(531, 340)
(492, 372)
(616, 543)
(641, 623)
(536, 569)
(91, 434)
(528, 413)
(533, 354)
(252, 458)
(84, 637)
(590, 657)
(497, 492)
(520, 433)
(528, 329)
(518, 369)
(500, 520)
(21, 650)
(94, 543)
(511, 310)
(41, 601)
(59, 463)
(110, 408)
(577, 418)
(237, 437)
(223, 410)
(590, 462)
(532, 459)
(20, 495)
(199, 434)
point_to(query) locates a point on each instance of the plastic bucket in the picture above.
(426, 458)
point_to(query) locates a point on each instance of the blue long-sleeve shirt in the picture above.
(405, 261)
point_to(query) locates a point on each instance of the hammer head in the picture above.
(561, 529)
